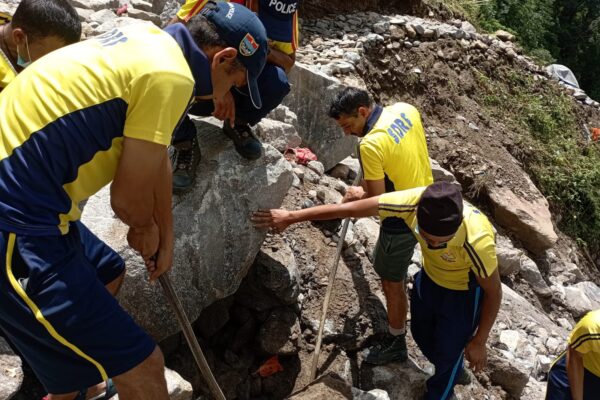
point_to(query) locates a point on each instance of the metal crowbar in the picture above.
(188, 332)
(332, 273)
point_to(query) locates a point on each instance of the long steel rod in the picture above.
(188, 332)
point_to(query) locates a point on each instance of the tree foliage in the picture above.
(568, 30)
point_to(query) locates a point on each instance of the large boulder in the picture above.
(178, 388)
(329, 386)
(528, 218)
(11, 374)
(400, 380)
(215, 243)
(309, 99)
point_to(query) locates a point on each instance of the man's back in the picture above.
(395, 149)
(65, 116)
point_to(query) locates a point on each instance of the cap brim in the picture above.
(253, 90)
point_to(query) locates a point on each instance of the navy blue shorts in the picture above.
(558, 382)
(56, 311)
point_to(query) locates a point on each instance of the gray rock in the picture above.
(366, 231)
(115, 23)
(215, 243)
(530, 272)
(277, 271)
(577, 301)
(330, 387)
(316, 166)
(144, 16)
(509, 258)
(468, 27)
(375, 394)
(511, 339)
(429, 34)
(410, 32)
(178, 388)
(311, 176)
(84, 13)
(284, 114)
(504, 36)
(592, 291)
(441, 174)
(311, 93)
(381, 27)
(507, 374)
(141, 5)
(347, 169)
(102, 16)
(352, 57)
(279, 334)
(400, 380)
(278, 134)
(419, 29)
(528, 218)
(11, 373)
(96, 4)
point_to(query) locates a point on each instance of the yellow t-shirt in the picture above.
(65, 116)
(395, 148)
(472, 249)
(7, 72)
(585, 339)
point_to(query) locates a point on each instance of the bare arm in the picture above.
(575, 373)
(281, 219)
(163, 215)
(279, 58)
(133, 193)
(475, 351)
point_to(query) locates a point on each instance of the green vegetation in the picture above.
(562, 164)
(567, 31)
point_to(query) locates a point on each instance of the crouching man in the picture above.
(457, 295)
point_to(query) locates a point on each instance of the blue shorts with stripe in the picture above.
(558, 382)
(56, 311)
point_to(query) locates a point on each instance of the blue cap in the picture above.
(240, 28)
(278, 18)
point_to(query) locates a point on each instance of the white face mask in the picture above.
(20, 61)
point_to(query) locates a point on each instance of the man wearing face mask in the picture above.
(83, 128)
(393, 156)
(236, 108)
(37, 28)
(456, 296)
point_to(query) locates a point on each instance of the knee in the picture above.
(155, 361)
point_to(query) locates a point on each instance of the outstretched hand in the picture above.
(276, 219)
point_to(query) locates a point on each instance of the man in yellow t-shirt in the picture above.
(393, 156)
(576, 373)
(97, 111)
(37, 28)
(280, 19)
(457, 294)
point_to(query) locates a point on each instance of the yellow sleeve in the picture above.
(584, 338)
(7, 74)
(157, 103)
(482, 253)
(190, 8)
(371, 160)
(400, 204)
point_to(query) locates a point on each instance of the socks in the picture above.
(396, 332)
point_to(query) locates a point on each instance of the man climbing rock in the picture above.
(456, 296)
(37, 28)
(576, 373)
(393, 156)
(98, 111)
(280, 19)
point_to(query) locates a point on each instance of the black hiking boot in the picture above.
(246, 144)
(185, 157)
(392, 348)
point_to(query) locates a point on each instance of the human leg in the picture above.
(60, 316)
